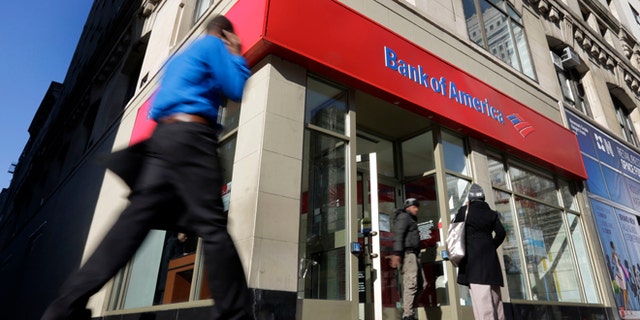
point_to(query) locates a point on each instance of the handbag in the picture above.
(456, 241)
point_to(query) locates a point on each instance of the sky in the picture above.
(37, 41)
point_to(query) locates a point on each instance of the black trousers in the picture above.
(176, 184)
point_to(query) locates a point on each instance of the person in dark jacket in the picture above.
(480, 269)
(406, 248)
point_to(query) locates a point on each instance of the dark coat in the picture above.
(481, 264)
(405, 233)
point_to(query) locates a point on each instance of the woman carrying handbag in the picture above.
(480, 268)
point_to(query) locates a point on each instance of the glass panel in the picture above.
(523, 51)
(162, 270)
(549, 260)
(326, 105)
(201, 7)
(568, 199)
(366, 144)
(496, 26)
(532, 185)
(499, 3)
(322, 221)
(584, 263)
(144, 272)
(565, 86)
(473, 22)
(227, 152)
(424, 190)
(417, 155)
(229, 116)
(457, 192)
(514, 15)
(595, 183)
(497, 173)
(510, 248)
(455, 158)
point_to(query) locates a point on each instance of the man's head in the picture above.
(217, 24)
(476, 193)
(412, 205)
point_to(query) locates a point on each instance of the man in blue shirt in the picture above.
(176, 179)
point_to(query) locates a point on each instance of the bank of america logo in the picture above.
(523, 127)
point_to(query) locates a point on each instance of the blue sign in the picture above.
(602, 146)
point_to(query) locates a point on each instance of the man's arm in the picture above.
(399, 230)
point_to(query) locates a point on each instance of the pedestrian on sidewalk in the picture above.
(176, 179)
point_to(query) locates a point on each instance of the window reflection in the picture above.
(176, 268)
(326, 105)
(425, 191)
(497, 173)
(455, 157)
(322, 222)
(417, 155)
(547, 251)
(579, 242)
(533, 185)
(498, 29)
(568, 199)
(200, 7)
(511, 251)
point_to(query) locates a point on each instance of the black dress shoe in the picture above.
(82, 314)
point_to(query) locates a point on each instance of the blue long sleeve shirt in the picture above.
(195, 80)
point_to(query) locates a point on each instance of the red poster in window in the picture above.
(144, 126)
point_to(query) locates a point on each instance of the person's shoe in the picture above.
(409, 318)
(82, 314)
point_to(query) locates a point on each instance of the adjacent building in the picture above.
(353, 106)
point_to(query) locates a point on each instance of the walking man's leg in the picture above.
(200, 189)
(115, 250)
(410, 284)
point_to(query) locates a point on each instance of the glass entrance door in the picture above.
(379, 284)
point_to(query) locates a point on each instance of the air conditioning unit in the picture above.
(557, 61)
(570, 58)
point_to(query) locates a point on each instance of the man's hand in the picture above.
(394, 261)
(232, 41)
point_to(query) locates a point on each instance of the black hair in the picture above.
(219, 23)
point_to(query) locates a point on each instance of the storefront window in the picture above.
(322, 229)
(326, 105)
(530, 184)
(580, 244)
(457, 194)
(367, 144)
(417, 155)
(497, 173)
(510, 246)
(549, 261)
(424, 189)
(323, 237)
(229, 116)
(568, 199)
(545, 253)
(455, 158)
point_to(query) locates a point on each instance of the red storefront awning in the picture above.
(332, 39)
